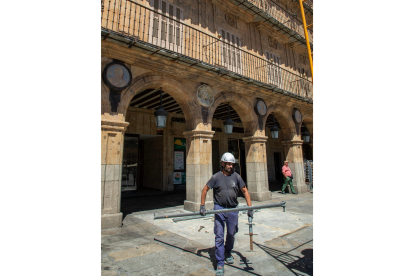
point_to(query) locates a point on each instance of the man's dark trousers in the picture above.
(288, 180)
(230, 220)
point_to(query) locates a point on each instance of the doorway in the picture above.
(130, 168)
(277, 157)
(236, 147)
(215, 155)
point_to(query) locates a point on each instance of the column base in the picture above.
(262, 196)
(301, 189)
(195, 207)
(111, 221)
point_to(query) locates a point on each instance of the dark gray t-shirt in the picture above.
(225, 188)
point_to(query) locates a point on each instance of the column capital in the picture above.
(255, 139)
(114, 125)
(292, 143)
(204, 134)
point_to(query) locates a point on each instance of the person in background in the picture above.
(287, 173)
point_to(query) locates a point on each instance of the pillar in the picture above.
(112, 143)
(256, 168)
(199, 168)
(293, 152)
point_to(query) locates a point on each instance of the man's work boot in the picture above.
(229, 258)
(220, 271)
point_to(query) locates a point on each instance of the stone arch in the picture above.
(283, 116)
(308, 121)
(243, 107)
(181, 94)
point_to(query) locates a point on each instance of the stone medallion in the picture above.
(205, 95)
(117, 76)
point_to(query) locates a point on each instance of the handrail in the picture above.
(279, 16)
(155, 28)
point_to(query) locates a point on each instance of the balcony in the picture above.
(155, 33)
(278, 17)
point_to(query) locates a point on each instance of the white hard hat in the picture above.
(228, 157)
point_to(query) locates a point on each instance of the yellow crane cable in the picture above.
(305, 28)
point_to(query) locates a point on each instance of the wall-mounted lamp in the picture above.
(160, 114)
(306, 136)
(228, 123)
(274, 130)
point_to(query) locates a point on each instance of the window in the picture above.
(274, 72)
(166, 28)
(303, 84)
(231, 52)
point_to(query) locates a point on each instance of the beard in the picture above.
(228, 170)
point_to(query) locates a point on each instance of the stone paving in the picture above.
(144, 246)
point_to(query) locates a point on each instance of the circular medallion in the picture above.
(260, 108)
(117, 76)
(297, 116)
(205, 95)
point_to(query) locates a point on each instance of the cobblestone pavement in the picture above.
(144, 246)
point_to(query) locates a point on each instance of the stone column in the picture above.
(293, 151)
(112, 144)
(256, 168)
(199, 168)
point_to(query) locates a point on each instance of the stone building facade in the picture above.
(205, 57)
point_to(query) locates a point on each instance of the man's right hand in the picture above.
(202, 210)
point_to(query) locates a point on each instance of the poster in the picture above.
(177, 178)
(179, 143)
(178, 160)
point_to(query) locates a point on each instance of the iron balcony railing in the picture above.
(168, 35)
(308, 4)
(276, 11)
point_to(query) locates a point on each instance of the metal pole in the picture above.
(280, 204)
(251, 233)
(195, 217)
(306, 35)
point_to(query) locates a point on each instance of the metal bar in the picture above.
(195, 217)
(251, 233)
(280, 204)
(306, 35)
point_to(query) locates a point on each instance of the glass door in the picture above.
(130, 163)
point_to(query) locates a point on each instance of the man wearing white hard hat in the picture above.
(226, 185)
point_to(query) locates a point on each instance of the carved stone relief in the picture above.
(303, 59)
(205, 95)
(272, 42)
(231, 20)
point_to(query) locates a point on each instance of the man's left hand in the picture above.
(250, 213)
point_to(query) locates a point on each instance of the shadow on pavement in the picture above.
(294, 263)
(150, 200)
(212, 258)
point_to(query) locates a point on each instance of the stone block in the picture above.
(103, 172)
(194, 206)
(260, 196)
(251, 176)
(111, 197)
(300, 189)
(113, 172)
(190, 172)
(250, 166)
(111, 220)
(113, 157)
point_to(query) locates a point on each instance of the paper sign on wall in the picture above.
(177, 178)
(178, 160)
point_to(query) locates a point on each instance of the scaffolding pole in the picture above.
(305, 28)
